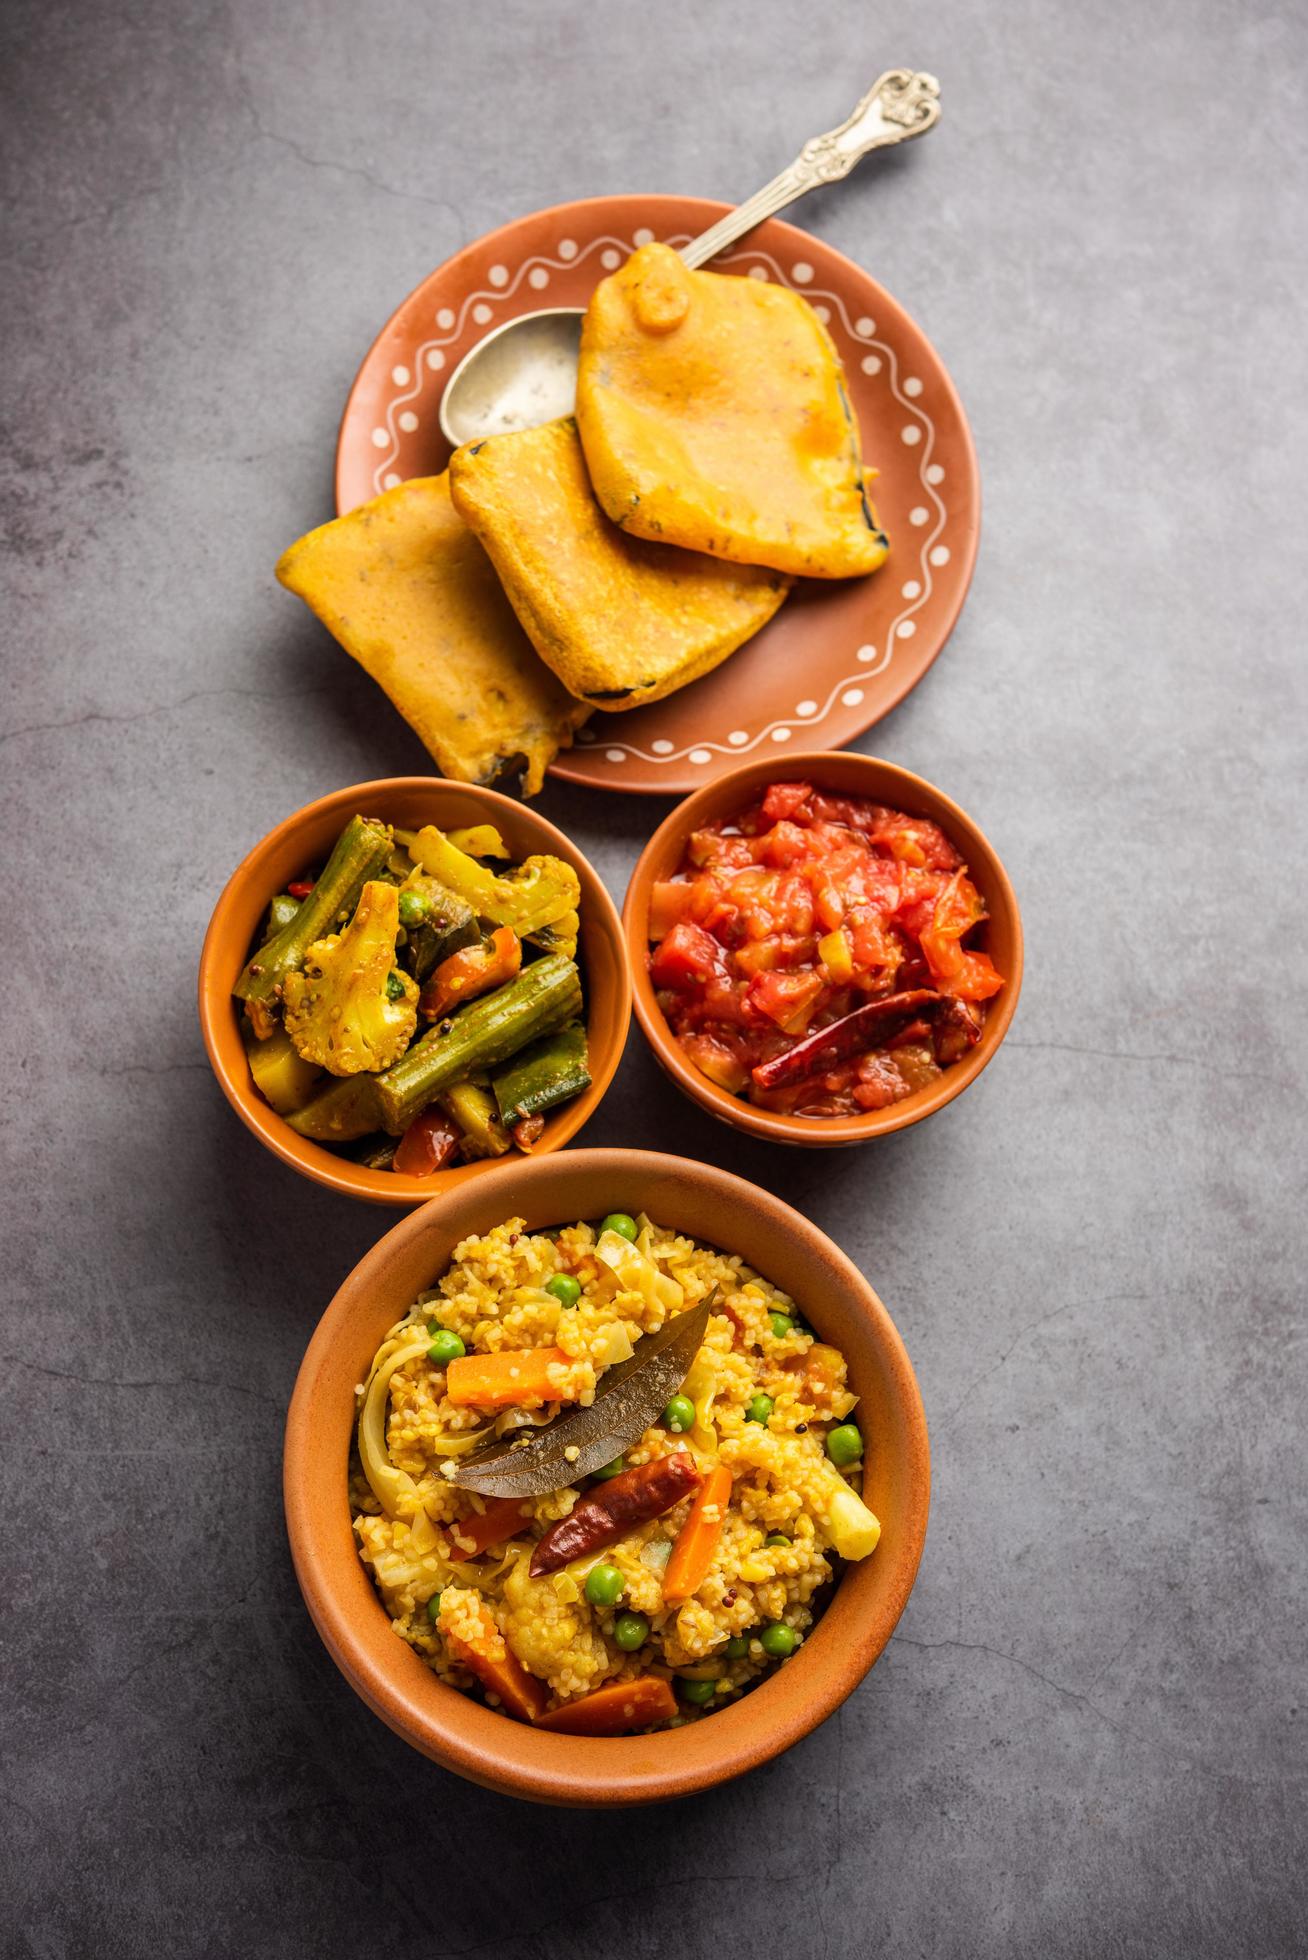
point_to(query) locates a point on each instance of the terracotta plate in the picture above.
(838, 655)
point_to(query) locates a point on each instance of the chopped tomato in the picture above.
(472, 971)
(809, 940)
(686, 959)
(668, 903)
(786, 998)
(712, 1057)
(427, 1145)
(783, 799)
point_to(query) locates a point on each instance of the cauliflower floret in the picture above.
(351, 1009)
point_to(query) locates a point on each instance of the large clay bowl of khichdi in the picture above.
(606, 1479)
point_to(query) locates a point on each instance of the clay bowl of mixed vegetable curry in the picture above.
(411, 982)
(606, 1479)
(824, 948)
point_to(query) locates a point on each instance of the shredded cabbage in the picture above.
(394, 1489)
(638, 1273)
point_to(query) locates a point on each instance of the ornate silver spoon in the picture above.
(525, 372)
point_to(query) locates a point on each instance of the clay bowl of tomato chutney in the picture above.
(291, 856)
(822, 950)
(713, 1208)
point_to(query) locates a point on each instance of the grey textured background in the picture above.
(1087, 1737)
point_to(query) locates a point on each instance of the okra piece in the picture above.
(348, 1109)
(360, 854)
(550, 1072)
(487, 1031)
(473, 1109)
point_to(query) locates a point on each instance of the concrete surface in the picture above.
(1087, 1738)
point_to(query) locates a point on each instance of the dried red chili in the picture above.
(607, 1513)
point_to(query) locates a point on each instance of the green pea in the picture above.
(782, 1325)
(613, 1469)
(737, 1647)
(759, 1409)
(394, 985)
(604, 1585)
(778, 1641)
(621, 1223)
(566, 1290)
(776, 1538)
(434, 1608)
(413, 908)
(697, 1692)
(845, 1445)
(631, 1630)
(679, 1415)
(446, 1347)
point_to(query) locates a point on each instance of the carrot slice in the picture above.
(504, 1381)
(698, 1538)
(501, 1520)
(614, 1710)
(484, 1652)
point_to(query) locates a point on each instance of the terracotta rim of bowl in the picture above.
(847, 773)
(488, 1747)
(264, 870)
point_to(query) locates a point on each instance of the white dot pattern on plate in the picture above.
(918, 434)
